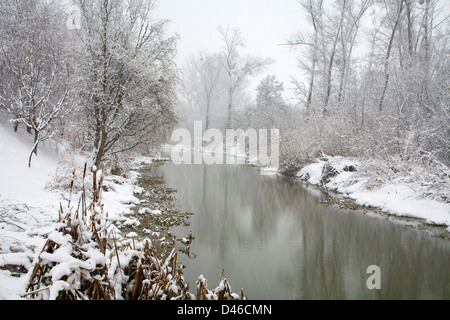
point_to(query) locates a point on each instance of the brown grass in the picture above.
(95, 267)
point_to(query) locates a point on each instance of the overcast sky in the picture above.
(264, 24)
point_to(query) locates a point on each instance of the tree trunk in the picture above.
(311, 86)
(386, 61)
(330, 72)
(100, 148)
(410, 26)
(36, 141)
(208, 103)
(313, 68)
(333, 53)
(229, 116)
(35, 147)
(230, 109)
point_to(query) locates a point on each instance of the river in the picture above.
(274, 239)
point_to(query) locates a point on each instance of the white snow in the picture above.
(155, 212)
(56, 288)
(233, 152)
(20, 183)
(29, 209)
(312, 172)
(121, 200)
(132, 235)
(403, 194)
(149, 211)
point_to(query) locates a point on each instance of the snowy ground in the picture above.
(26, 210)
(29, 202)
(413, 191)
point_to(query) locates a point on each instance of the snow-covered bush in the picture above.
(321, 135)
(221, 292)
(66, 177)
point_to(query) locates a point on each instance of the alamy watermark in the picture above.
(374, 281)
(217, 150)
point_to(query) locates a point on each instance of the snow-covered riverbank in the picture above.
(30, 199)
(412, 191)
(401, 189)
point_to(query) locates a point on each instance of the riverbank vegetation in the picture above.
(84, 259)
(372, 90)
(384, 110)
(377, 83)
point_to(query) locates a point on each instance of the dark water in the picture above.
(275, 240)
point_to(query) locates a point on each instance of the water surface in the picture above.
(274, 239)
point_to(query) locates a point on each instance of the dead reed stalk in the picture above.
(82, 260)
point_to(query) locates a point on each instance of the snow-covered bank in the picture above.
(413, 190)
(30, 199)
(18, 182)
(27, 210)
(233, 153)
(70, 259)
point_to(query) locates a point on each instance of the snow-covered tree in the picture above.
(126, 64)
(35, 66)
(380, 90)
(270, 106)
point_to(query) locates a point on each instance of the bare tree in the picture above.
(202, 82)
(237, 68)
(395, 22)
(329, 46)
(393, 97)
(314, 10)
(349, 33)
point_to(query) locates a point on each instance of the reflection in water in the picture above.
(276, 241)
